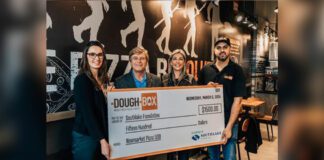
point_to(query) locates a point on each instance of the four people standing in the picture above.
(90, 129)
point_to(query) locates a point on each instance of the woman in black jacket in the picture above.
(177, 76)
(90, 133)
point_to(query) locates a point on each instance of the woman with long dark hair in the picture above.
(90, 132)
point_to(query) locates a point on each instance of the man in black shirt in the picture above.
(230, 75)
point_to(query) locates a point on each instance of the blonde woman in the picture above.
(177, 76)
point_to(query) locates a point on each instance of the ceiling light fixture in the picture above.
(239, 17)
(245, 20)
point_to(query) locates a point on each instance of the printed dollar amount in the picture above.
(209, 109)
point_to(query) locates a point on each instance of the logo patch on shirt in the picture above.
(229, 77)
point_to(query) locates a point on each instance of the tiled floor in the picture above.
(267, 151)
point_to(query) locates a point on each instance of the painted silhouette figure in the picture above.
(213, 7)
(167, 14)
(48, 21)
(93, 21)
(137, 25)
(214, 19)
(191, 12)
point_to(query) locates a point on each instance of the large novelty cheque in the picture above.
(151, 121)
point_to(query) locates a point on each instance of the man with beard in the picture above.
(229, 74)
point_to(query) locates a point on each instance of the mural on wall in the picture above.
(91, 22)
(167, 13)
(214, 18)
(158, 26)
(48, 21)
(137, 25)
(58, 93)
(191, 12)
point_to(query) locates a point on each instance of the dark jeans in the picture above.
(85, 147)
(229, 149)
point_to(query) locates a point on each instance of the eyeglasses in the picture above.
(138, 58)
(94, 55)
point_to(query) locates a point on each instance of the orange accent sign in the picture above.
(149, 101)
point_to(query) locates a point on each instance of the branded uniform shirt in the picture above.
(232, 79)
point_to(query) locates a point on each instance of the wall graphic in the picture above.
(213, 17)
(159, 26)
(91, 22)
(137, 25)
(167, 13)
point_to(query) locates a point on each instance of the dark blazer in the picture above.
(127, 81)
(91, 109)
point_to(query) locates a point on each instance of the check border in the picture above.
(174, 149)
(164, 88)
(170, 150)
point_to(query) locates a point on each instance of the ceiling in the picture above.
(265, 10)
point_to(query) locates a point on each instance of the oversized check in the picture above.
(152, 121)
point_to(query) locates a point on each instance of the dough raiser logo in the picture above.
(148, 101)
